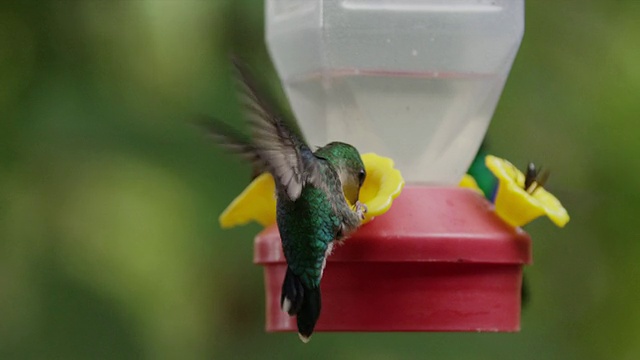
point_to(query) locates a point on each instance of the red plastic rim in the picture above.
(425, 224)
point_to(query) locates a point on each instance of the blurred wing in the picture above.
(234, 141)
(284, 153)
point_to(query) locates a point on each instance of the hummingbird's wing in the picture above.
(234, 141)
(273, 146)
(285, 154)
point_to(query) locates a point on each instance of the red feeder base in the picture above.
(439, 260)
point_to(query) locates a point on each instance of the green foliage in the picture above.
(109, 244)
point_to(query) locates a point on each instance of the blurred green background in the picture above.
(109, 243)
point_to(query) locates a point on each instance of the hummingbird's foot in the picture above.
(361, 209)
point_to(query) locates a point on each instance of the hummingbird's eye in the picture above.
(361, 176)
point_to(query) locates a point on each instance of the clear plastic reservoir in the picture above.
(414, 80)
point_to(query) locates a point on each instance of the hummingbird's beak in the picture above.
(356, 199)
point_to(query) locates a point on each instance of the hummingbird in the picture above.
(316, 194)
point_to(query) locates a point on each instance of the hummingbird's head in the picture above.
(347, 162)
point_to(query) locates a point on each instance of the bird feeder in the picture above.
(417, 81)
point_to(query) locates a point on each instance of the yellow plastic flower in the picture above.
(470, 183)
(383, 184)
(257, 202)
(515, 205)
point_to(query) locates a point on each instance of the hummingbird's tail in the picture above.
(298, 299)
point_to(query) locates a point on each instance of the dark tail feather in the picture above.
(292, 293)
(297, 299)
(309, 313)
